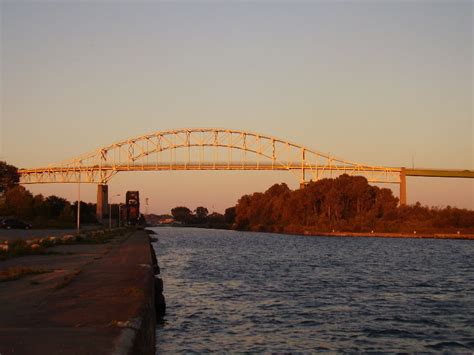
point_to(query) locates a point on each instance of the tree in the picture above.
(201, 214)
(55, 205)
(66, 216)
(39, 207)
(9, 176)
(229, 215)
(181, 213)
(18, 202)
(344, 203)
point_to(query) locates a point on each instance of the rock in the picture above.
(35, 246)
(68, 238)
(158, 285)
(160, 304)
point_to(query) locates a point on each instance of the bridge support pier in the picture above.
(403, 187)
(102, 210)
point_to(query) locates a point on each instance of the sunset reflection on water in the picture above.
(235, 291)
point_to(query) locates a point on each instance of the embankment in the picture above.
(393, 235)
(89, 299)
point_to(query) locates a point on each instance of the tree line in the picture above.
(41, 211)
(346, 203)
(202, 218)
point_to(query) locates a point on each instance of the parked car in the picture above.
(9, 223)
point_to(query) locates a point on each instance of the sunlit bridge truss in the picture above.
(203, 149)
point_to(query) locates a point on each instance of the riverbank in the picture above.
(389, 235)
(88, 298)
(356, 234)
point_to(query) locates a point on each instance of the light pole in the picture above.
(78, 207)
(120, 214)
(110, 211)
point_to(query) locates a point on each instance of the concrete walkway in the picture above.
(97, 299)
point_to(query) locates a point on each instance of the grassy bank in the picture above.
(34, 246)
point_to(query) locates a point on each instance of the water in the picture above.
(253, 292)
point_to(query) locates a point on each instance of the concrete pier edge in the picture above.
(110, 306)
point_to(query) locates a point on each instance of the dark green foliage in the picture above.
(88, 212)
(200, 217)
(347, 203)
(8, 176)
(17, 201)
(52, 211)
(201, 214)
(182, 214)
(55, 205)
(229, 215)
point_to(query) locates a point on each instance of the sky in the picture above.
(377, 82)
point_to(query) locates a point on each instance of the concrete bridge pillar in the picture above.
(102, 202)
(403, 187)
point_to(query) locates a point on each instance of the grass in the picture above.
(14, 273)
(21, 247)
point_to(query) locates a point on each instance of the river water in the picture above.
(234, 291)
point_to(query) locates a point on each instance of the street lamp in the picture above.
(120, 214)
(78, 222)
(110, 211)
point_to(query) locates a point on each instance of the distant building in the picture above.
(166, 221)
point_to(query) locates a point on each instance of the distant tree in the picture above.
(66, 216)
(216, 220)
(229, 215)
(39, 207)
(385, 203)
(55, 205)
(88, 212)
(18, 202)
(181, 213)
(9, 176)
(201, 214)
(344, 203)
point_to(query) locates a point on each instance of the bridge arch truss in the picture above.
(203, 149)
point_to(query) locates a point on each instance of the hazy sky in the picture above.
(377, 82)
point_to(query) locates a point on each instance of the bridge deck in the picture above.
(440, 173)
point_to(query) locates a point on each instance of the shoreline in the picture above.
(389, 235)
(420, 235)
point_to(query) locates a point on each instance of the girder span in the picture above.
(203, 149)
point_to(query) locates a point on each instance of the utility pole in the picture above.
(78, 207)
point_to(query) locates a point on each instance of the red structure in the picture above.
(132, 207)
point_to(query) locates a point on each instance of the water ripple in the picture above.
(253, 292)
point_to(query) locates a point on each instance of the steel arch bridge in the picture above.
(215, 149)
(203, 149)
